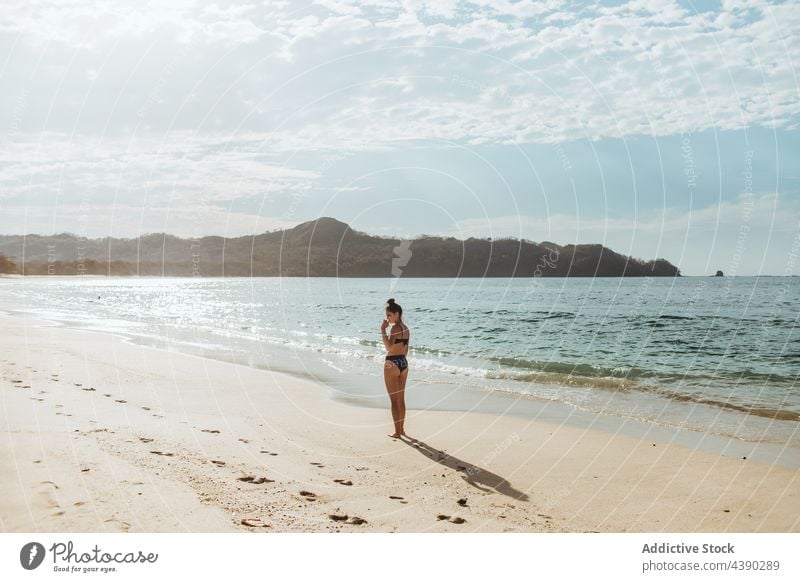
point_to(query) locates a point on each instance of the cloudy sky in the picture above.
(658, 128)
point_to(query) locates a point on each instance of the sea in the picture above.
(703, 357)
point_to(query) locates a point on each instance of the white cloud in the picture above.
(647, 66)
(748, 236)
(131, 220)
(188, 168)
(520, 8)
(339, 6)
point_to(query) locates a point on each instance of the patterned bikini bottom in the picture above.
(399, 361)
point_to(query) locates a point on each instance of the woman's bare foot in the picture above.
(395, 436)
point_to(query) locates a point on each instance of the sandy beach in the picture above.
(102, 435)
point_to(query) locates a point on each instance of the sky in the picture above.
(661, 129)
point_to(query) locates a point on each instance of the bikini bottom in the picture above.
(399, 361)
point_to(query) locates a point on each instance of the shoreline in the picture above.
(495, 403)
(101, 434)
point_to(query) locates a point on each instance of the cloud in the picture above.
(130, 220)
(749, 235)
(642, 67)
(189, 169)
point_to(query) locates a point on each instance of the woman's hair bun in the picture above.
(391, 300)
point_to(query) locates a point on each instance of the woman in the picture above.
(395, 368)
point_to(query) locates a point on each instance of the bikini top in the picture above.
(403, 340)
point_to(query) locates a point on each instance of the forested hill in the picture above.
(324, 247)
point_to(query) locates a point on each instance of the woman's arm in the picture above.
(385, 339)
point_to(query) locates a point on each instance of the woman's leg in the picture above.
(390, 377)
(401, 389)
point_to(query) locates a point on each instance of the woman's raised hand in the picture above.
(384, 325)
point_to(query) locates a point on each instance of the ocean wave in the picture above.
(606, 382)
(648, 381)
(573, 369)
(763, 411)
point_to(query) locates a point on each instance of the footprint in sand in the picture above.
(76, 384)
(88, 389)
(163, 454)
(343, 482)
(309, 495)
(79, 503)
(317, 464)
(212, 431)
(123, 525)
(256, 480)
(45, 495)
(335, 517)
(462, 502)
(218, 463)
(270, 453)
(107, 395)
(146, 408)
(442, 516)
(254, 522)
(395, 497)
(245, 441)
(145, 440)
(121, 401)
(357, 520)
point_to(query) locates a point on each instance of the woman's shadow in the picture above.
(476, 476)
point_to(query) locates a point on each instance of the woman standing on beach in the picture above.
(395, 368)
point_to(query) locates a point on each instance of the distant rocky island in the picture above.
(324, 247)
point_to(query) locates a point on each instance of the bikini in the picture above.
(399, 360)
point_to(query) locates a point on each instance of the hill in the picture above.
(324, 247)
